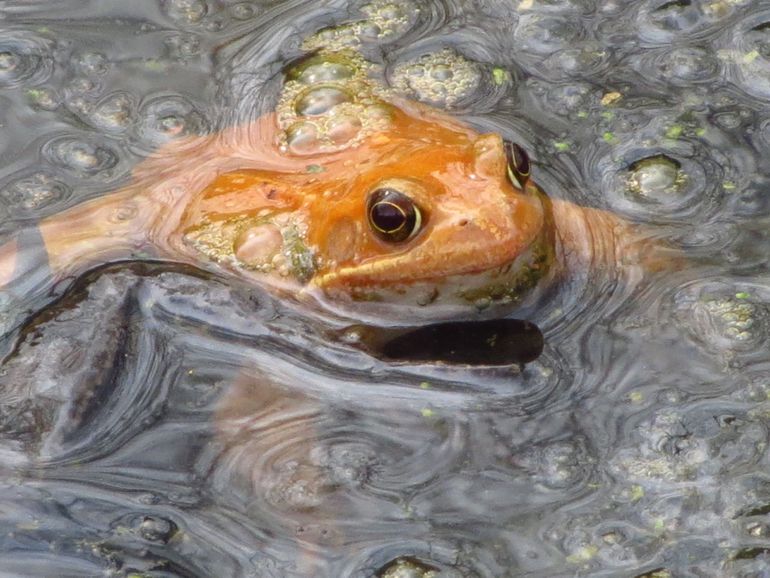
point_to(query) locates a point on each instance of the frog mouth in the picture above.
(507, 278)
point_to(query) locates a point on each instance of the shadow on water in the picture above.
(491, 342)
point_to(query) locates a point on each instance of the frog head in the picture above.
(433, 215)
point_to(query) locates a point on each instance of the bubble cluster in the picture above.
(328, 103)
(444, 78)
(385, 20)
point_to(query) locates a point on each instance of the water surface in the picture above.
(156, 421)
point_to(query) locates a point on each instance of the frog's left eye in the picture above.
(393, 216)
(518, 164)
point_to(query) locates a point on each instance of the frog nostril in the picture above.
(463, 223)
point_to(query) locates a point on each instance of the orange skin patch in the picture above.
(474, 219)
(197, 200)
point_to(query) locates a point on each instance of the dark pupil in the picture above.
(518, 159)
(393, 216)
(388, 217)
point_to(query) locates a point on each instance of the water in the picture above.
(156, 421)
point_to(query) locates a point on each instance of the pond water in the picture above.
(159, 421)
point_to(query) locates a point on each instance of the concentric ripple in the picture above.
(663, 21)
(83, 157)
(165, 118)
(723, 317)
(684, 66)
(747, 50)
(24, 59)
(33, 192)
(673, 178)
(294, 455)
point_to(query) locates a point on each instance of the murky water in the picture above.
(156, 421)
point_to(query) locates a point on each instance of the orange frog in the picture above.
(348, 194)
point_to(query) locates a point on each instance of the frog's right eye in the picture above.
(518, 164)
(393, 216)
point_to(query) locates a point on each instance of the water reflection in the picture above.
(158, 422)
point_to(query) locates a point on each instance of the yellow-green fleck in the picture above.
(582, 114)
(659, 525)
(424, 385)
(728, 185)
(750, 57)
(608, 115)
(499, 75)
(742, 295)
(608, 137)
(561, 146)
(700, 132)
(34, 93)
(585, 554)
(637, 492)
(426, 412)
(636, 396)
(315, 169)
(674, 131)
(154, 64)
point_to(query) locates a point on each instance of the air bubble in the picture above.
(321, 100)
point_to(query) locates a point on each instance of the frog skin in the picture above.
(347, 194)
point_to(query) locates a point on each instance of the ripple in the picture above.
(647, 176)
(81, 156)
(691, 442)
(747, 51)
(114, 113)
(723, 317)
(664, 21)
(24, 59)
(34, 192)
(44, 98)
(165, 118)
(186, 11)
(683, 66)
(424, 558)
(587, 60)
(91, 63)
(296, 455)
(538, 35)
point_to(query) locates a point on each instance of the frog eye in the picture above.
(518, 164)
(393, 216)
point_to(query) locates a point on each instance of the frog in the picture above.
(349, 197)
